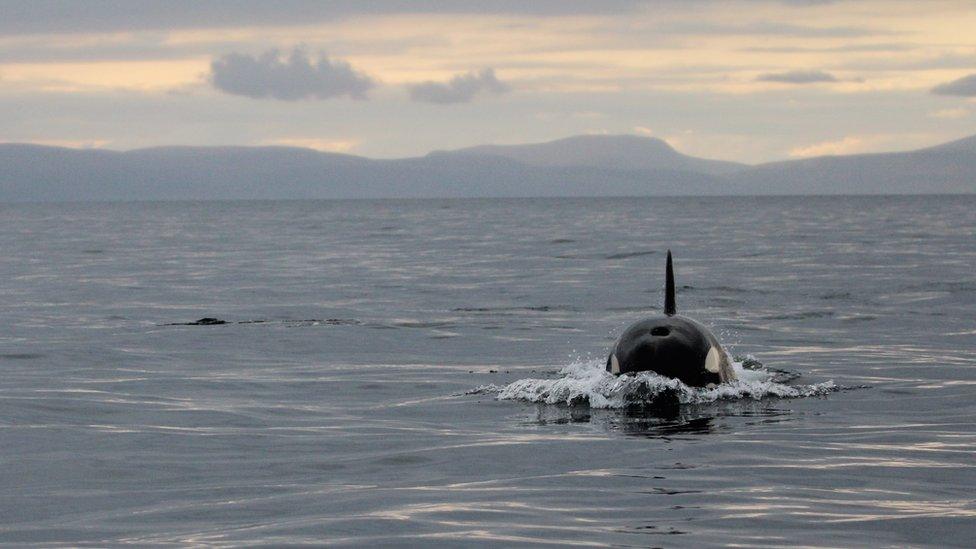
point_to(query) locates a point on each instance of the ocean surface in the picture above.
(405, 373)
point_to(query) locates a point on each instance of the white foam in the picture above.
(589, 381)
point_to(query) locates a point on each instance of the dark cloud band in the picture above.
(73, 16)
(289, 78)
(797, 77)
(460, 89)
(963, 87)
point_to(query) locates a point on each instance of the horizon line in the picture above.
(433, 151)
(475, 198)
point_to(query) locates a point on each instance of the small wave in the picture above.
(588, 383)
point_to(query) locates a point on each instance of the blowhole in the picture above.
(660, 331)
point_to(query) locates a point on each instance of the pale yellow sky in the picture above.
(750, 81)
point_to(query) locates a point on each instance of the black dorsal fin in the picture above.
(669, 305)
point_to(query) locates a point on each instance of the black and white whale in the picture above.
(671, 345)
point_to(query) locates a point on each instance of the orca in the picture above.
(671, 345)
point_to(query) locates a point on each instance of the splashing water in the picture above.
(588, 382)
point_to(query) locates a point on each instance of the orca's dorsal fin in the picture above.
(670, 308)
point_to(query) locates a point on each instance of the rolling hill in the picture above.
(575, 166)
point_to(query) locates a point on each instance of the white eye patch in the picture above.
(712, 360)
(614, 365)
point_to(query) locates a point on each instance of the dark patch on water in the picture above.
(424, 323)
(20, 356)
(404, 460)
(206, 321)
(649, 426)
(211, 321)
(339, 322)
(651, 529)
(678, 466)
(669, 492)
(537, 309)
(628, 255)
(800, 316)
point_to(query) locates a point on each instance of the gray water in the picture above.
(352, 397)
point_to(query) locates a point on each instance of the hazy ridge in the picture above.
(616, 165)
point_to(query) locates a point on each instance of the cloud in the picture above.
(867, 143)
(460, 89)
(803, 3)
(847, 145)
(950, 114)
(288, 79)
(643, 130)
(66, 143)
(65, 16)
(842, 48)
(797, 77)
(769, 28)
(963, 87)
(318, 144)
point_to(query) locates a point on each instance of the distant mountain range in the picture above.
(591, 165)
(619, 152)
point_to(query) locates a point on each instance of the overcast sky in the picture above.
(747, 81)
